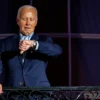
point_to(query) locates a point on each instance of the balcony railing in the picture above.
(52, 93)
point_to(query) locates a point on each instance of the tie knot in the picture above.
(25, 38)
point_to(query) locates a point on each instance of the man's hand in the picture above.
(24, 45)
(1, 91)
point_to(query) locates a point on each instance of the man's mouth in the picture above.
(27, 28)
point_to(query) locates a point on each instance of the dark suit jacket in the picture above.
(32, 72)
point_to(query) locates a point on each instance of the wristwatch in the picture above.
(34, 44)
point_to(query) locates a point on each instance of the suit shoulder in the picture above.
(8, 39)
(43, 37)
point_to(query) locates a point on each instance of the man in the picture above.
(25, 56)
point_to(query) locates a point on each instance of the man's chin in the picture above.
(26, 33)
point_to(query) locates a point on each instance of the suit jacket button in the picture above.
(21, 83)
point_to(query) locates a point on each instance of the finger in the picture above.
(21, 52)
(22, 42)
(22, 46)
(22, 49)
(27, 42)
(1, 89)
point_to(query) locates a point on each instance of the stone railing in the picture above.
(52, 93)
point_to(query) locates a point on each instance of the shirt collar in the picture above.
(23, 37)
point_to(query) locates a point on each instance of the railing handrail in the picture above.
(61, 88)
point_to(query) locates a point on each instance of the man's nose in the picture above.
(27, 22)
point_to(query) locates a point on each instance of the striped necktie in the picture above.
(24, 53)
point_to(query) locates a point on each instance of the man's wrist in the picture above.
(33, 43)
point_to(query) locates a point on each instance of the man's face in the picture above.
(27, 21)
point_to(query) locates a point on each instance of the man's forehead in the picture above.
(33, 10)
(28, 11)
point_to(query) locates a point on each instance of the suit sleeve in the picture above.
(48, 47)
(1, 65)
(1, 72)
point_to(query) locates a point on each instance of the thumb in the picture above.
(21, 52)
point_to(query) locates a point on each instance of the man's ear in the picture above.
(36, 21)
(17, 20)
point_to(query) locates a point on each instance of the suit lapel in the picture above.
(34, 37)
(16, 40)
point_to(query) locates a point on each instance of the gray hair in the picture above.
(26, 7)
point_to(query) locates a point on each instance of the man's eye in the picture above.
(32, 19)
(24, 19)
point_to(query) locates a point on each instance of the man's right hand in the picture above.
(1, 91)
(24, 45)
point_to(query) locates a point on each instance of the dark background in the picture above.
(51, 18)
(53, 21)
